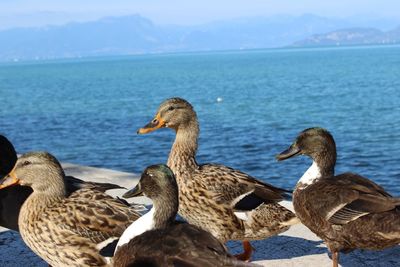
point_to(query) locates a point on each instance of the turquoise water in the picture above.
(88, 111)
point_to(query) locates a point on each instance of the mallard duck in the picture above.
(347, 211)
(156, 239)
(12, 198)
(226, 202)
(65, 230)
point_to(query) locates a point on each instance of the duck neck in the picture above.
(183, 152)
(160, 216)
(323, 167)
(165, 210)
(40, 202)
(54, 188)
(326, 163)
(42, 197)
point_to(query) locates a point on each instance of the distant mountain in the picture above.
(125, 35)
(138, 35)
(354, 36)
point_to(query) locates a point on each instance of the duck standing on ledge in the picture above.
(347, 211)
(65, 230)
(156, 239)
(12, 198)
(226, 202)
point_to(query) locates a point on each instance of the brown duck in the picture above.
(12, 198)
(347, 211)
(65, 230)
(166, 241)
(226, 202)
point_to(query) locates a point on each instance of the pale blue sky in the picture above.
(15, 12)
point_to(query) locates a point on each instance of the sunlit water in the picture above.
(250, 104)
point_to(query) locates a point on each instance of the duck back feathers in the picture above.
(173, 248)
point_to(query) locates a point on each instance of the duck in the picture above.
(226, 202)
(65, 230)
(347, 211)
(12, 198)
(157, 239)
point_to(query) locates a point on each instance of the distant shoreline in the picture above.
(290, 48)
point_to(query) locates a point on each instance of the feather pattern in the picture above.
(347, 218)
(166, 242)
(64, 229)
(181, 245)
(210, 194)
(347, 211)
(12, 198)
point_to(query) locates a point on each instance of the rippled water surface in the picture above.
(88, 111)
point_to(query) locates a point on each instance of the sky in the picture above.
(183, 12)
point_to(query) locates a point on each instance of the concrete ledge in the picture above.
(296, 247)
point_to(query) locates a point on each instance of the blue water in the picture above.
(88, 111)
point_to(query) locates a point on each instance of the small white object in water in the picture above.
(220, 99)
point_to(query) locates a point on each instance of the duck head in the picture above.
(173, 113)
(8, 156)
(156, 182)
(39, 170)
(317, 143)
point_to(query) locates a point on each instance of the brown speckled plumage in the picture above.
(12, 198)
(347, 211)
(64, 230)
(209, 193)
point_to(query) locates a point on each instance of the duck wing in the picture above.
(74, 184)
(358, 196)
(200, 248)
(178, 245)
(94, 215)
(237, 189)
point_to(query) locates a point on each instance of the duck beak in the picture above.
(292, 151)
(9, 180)
(155, 124)
(135, 192)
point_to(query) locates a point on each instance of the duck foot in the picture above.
(248, 251)
(335, 259)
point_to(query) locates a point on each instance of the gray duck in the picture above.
(228, 203)
(12, 198)
(347, 211)
(65, 230)
(156, 239)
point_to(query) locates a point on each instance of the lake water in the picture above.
(88, 111)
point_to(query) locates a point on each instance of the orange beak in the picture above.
(9, 180)
(155, 124)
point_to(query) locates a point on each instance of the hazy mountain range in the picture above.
(137, 35)
(352, 36)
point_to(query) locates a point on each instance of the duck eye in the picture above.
(171, 108)
(26, 163)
